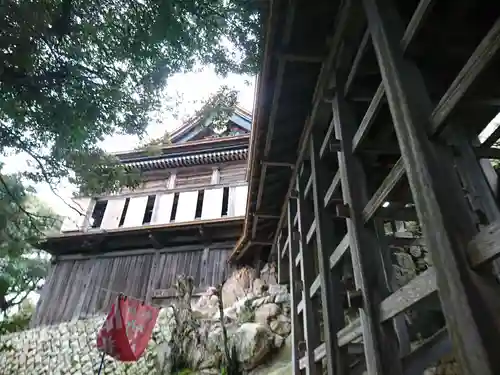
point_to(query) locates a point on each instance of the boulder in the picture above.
(206, 306)
(280, 363)
(266, 312)
(281, 326)
(269, 274)
(253, 342)
(238, 286)
(258, 287)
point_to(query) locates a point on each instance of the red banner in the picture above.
(126, 332)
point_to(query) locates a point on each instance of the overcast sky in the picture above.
(194, 87)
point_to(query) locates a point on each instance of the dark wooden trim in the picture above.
(172, 292)
(357, 61)
(368, 118)
(311, 323)
(331, 189)
(381, 348)
(402, 299)
(293, 249)
(326, 141)
(330, 282)
(112, 254)
(479, 59)
(414, 25)
(466, 298)
(342, 23)
(384, 190)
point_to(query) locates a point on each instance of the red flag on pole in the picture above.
(126, 332)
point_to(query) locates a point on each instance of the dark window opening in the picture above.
(124, 212)
(148, 214)
(98, 213)
(174, 207)
(199, 204)
(225, 201)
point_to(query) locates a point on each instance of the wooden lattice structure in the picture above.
(368, 116)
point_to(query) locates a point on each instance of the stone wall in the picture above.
(67, 348)
(257, 325)
(257, 318)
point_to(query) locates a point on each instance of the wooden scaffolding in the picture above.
(390, 139)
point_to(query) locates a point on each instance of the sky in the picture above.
(194, 87)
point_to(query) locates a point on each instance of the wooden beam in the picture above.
(488, 152)
(172, 292)
(384, 190)
(443, 214)
(309, 312)
(342, 22)
(289, 18)
(224, 245)
(335, 184)
(485, 246)
(330, 281)
(326, 141)
(153, 274)
(357, 61)
(263, 215)
(381, 348)
(480, 58)
(295, 293)
(428, 353)
(416, 22)
(414, 25)
(278, 164)
(408, 295)
(368, 118)
(476, 187)
(335, 257)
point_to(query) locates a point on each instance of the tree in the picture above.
(18, 321)
(23, 220)
(76, 71)
(215, 112)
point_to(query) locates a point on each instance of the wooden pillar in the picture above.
(466, 297)
(153, 274)
(331, 285)
(310, 311)
(380, 342)
(295, 294)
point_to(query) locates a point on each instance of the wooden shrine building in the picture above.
(184, 219)
(370, 145)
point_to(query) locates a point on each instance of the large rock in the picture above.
(281, 326)
(253, 342)
(279, 364)
(206, 306)
(238, 286)
(266, 312)
(269, 274)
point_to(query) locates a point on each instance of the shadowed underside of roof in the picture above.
(296, 43)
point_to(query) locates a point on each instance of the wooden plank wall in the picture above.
(331, 238)
(80, 288)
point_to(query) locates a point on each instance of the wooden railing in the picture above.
(172, 206)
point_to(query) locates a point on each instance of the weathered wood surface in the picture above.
(485, 246)
(447, 222)
(81, 288)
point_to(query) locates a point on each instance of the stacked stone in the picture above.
(67, 348)
(256, 316)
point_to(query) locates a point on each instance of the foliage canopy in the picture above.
(23, 220)
(75, 71)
